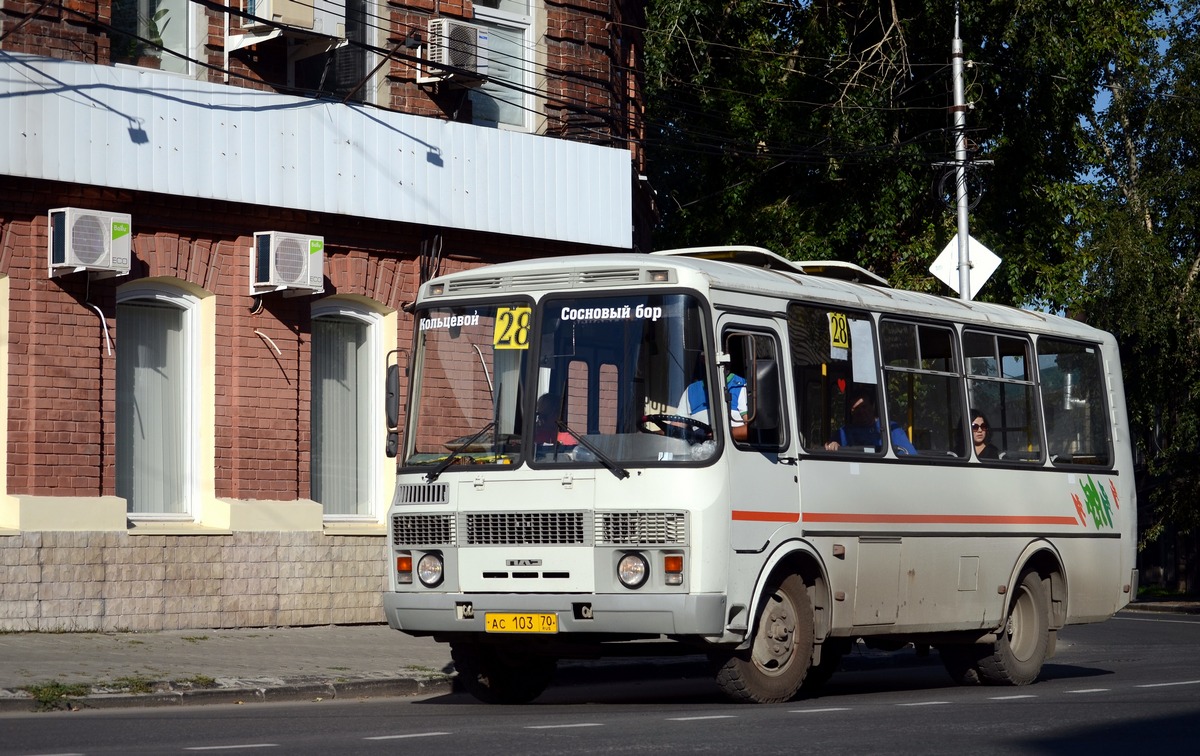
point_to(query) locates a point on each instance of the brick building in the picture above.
(212, 217)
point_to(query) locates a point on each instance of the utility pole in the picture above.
(960, 162)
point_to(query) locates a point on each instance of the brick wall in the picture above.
(61, 432)
(61, 376)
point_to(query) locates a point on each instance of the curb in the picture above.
(1164, 607)
(380, 688)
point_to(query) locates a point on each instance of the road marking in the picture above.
(1165, 685)
(1146, 619)
(925, 703)
(232, 747)
(563, 727)
(697, 719)
(1089, 690)
(409, 735)
(818, 711)
(1011, 698)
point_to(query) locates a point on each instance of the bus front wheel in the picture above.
(773, 668)
(497, 676)
(1016, 657)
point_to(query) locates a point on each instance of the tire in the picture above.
(773, 668)
(497, 676)
(832, 651)
(1017, 657)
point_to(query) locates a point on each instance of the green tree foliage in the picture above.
(822, 130)
(817, 128)
(1144, 274)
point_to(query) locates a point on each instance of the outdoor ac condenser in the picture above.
(287, 262)
(93, 240)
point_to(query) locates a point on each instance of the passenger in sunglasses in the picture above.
(980, 433)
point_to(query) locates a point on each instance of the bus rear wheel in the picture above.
(498, 676)
(773, 668)
(1024, 642)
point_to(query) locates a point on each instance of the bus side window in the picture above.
(1073, 400)
(754, 361)
(924, 387)
(1001, 391)
(831, 351)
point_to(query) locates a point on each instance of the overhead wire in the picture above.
(705, 139)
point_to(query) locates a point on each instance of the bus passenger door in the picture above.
(763, 490)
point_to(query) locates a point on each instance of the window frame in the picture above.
(373, 411)
(753, 393)
(855, 369)
(190, 305)
(491, 18)
(1030, 383)
(1103, 402)
(952, 373)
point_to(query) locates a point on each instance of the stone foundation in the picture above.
(116, 581)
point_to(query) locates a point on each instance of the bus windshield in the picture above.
(467, 399)
(606, 380)
(614, 374)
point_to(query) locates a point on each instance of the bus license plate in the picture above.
(521, 622)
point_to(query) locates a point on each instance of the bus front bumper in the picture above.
(661, 614)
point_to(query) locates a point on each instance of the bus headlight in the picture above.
(633, 570)
(430, 569)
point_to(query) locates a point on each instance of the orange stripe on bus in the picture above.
(745, 516)
(940, 519)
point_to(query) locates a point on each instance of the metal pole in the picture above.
(960, 159)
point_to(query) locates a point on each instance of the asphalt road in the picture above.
(1123, 686)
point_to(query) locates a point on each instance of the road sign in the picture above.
(983, 264)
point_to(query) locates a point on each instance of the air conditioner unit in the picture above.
(457, 44)
(287, 262)
(90, 240)
(324, 17)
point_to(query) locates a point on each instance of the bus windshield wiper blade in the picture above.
(605, 460)
(433, 474)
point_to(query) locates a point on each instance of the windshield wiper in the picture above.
(433, 474)
(605, 460)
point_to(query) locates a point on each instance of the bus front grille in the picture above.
(520, 528)
(435, 493)
(423, 530)
(641, 528)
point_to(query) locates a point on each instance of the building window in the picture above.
(156, 400)
(148, 31)
(346, 383)
(503, 100)
(332, 66)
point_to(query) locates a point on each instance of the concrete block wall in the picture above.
(113, 581)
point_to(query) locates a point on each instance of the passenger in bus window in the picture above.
(980, 433)
(864, 430)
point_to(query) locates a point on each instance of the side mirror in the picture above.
(392, 396)
(391, 404)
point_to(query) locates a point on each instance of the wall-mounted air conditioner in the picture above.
(457, 44)
(287, 262)
(90, 240)
(324, 17)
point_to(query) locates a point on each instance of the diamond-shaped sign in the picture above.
(983, 264)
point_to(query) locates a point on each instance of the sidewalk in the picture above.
(218, 666)
(189, 667)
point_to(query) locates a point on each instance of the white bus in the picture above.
(763, 460)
